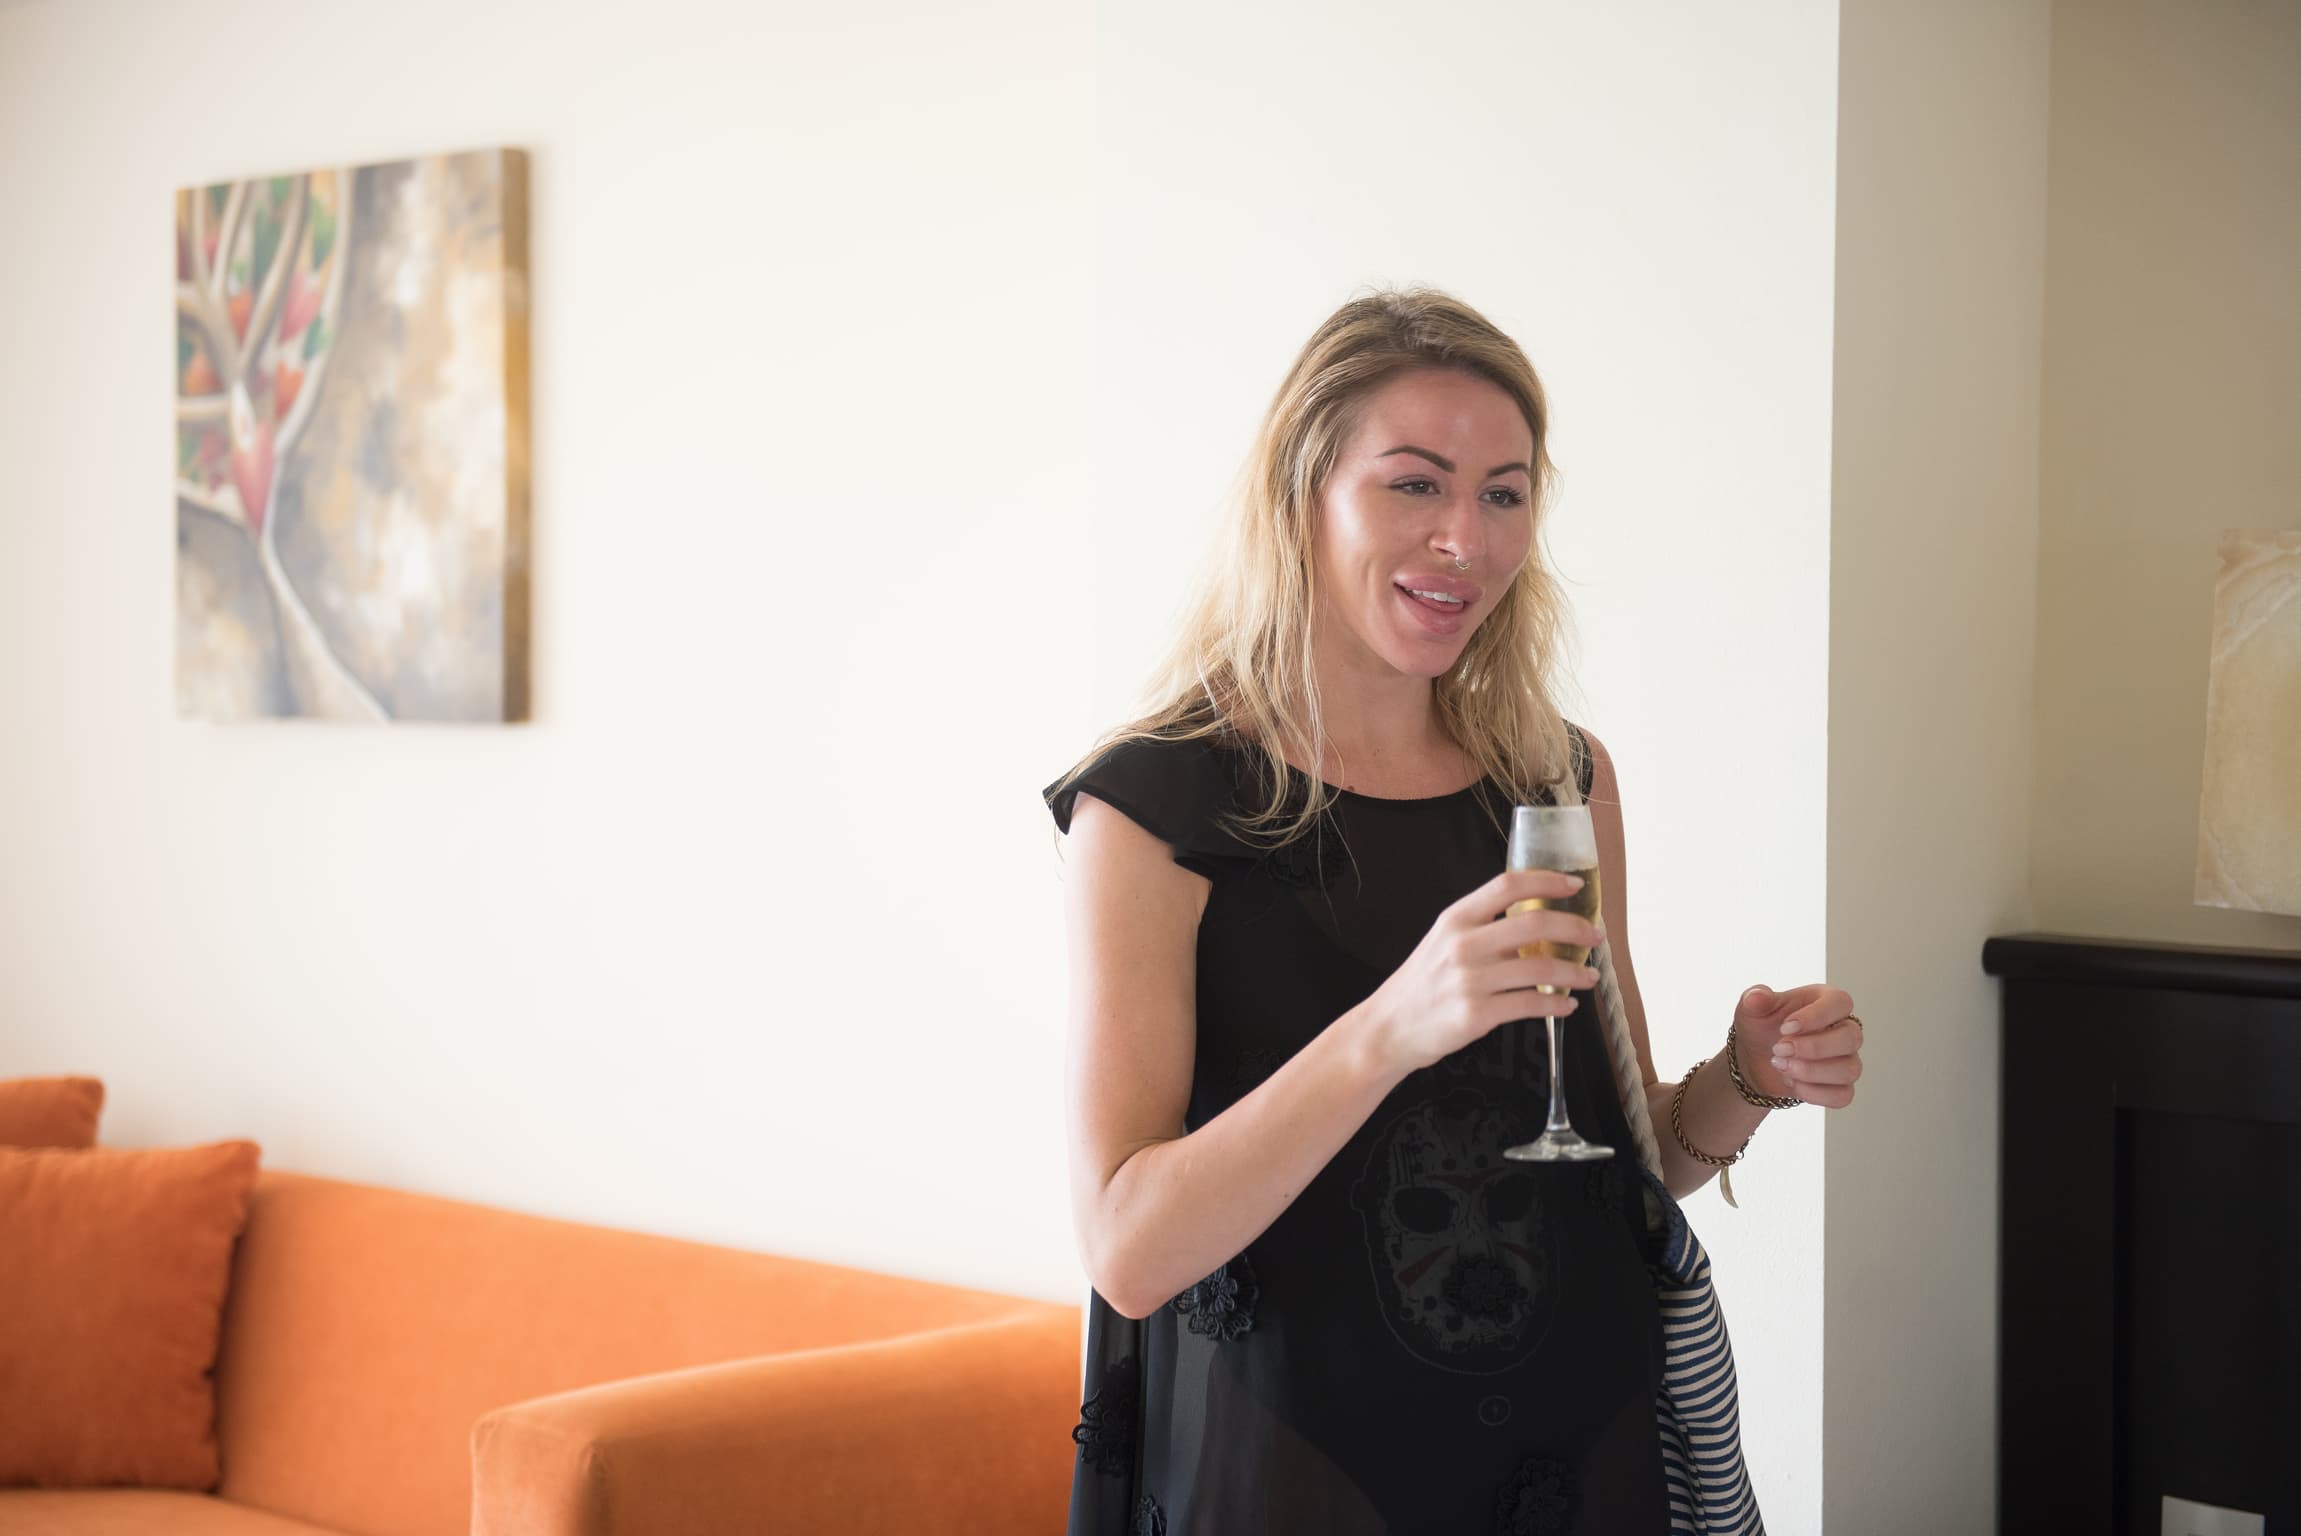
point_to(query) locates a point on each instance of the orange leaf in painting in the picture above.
(242, 302)
(251, 460)
(284, 390)
(303, 303)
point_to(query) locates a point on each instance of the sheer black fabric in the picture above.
(1430, 1340)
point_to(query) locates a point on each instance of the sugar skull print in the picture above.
(1456, 1234)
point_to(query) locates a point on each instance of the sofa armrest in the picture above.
(961, 1429)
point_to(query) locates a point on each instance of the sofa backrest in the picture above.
(368, 1328)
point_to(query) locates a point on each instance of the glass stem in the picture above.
(1557, 1085)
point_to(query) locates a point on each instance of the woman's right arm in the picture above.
(1156, 1209)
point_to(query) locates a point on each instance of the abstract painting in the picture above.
(2249, 816)
(352, 443)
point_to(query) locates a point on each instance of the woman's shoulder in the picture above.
(1583, 749)
(1179, 785)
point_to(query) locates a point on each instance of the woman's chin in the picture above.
(1423, 659)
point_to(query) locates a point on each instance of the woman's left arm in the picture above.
(1804, 1042)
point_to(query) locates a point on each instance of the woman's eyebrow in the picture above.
(1447, 464)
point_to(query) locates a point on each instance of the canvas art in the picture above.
(2249, 821)
(351, 443)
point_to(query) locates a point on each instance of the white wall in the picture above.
(2172, 382)
(1643, 197)
(1933, 595)
(751, 936)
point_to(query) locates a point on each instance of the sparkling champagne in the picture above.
(1583, 903)
(1557, 837)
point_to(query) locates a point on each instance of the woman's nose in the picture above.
(1459, 536)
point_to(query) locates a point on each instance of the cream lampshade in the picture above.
(2249, 816)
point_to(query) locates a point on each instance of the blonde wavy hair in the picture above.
(1242, 668)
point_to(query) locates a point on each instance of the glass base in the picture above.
(1558, 1147)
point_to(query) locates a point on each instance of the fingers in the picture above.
(1826, 1095)
(1516, 885)
(1542, 970)
(1827, 1080)
(1526, 1003)
(1841, 1039)
(1519, 930)
(1836, 1072)
(1815, 1009)
(1819, 1052)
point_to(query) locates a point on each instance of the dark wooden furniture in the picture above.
(2149, 1302)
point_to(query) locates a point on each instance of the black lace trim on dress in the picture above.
(1221, 1307)
(1314, 858)
(1536, 1500)
(1149, 1520)
(1106, 1430)
(1604, 1188)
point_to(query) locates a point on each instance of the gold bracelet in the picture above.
(1678, 1125)
(1724, 1165)
(1741, 1086)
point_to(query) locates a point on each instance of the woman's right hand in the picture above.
(1466, 976)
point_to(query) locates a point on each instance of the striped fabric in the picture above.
(1699, 1408)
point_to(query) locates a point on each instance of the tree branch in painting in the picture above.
(228, 235)
(257, 314)
(312, 311)
(286, 245)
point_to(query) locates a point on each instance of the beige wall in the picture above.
(2172, 394)
(1933, 581)
(2068, 354)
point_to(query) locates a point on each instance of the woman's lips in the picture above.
(1438, 618)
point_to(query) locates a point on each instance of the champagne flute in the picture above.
(1557, 837)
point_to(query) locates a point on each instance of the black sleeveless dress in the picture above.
(1431, 1340)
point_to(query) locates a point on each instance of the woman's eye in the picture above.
(1510, 498)
(1412, 485)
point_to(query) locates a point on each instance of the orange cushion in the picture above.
(50, 1111)
(112, 1289)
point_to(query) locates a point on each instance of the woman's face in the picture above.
(1439, 468)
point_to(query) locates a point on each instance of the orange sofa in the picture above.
(397, 1365)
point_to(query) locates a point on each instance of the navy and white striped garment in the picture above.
(1699, 1409)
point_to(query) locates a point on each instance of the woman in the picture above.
(1302, 1033)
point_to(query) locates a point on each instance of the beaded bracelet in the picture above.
(1741, 1085)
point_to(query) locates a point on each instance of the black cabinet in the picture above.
(2149, 1304)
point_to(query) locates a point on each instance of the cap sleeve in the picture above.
(1177, 791)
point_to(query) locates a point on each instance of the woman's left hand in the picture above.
(1804, 1042)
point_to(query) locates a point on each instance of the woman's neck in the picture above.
(1391, 746)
